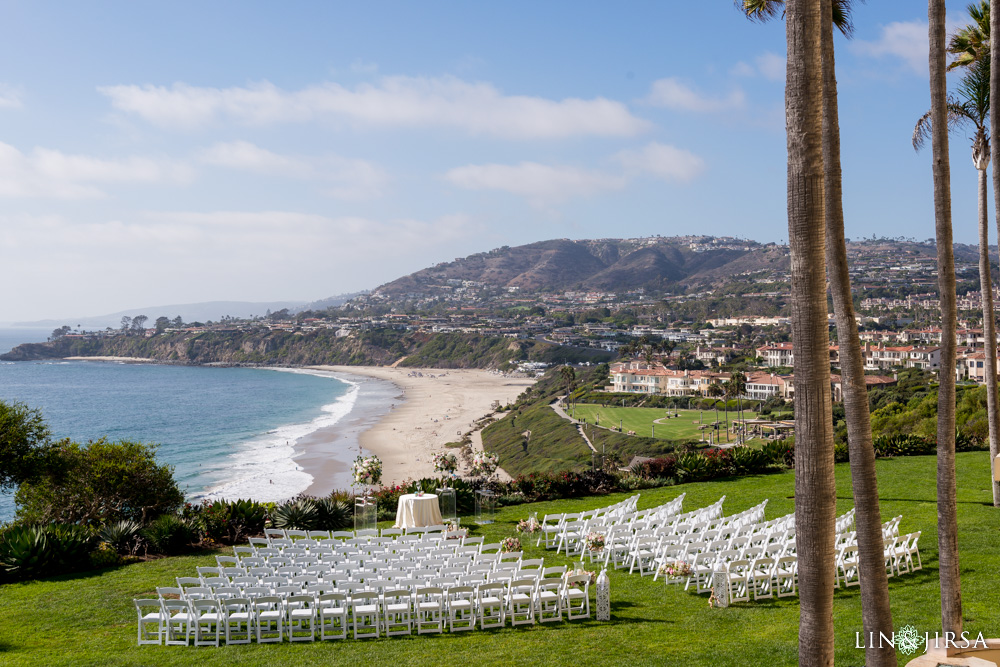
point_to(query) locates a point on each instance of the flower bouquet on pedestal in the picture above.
(367, 471)
(675, 570)
(484, 464)
(445, 463)
(529, 526)
(509, 544)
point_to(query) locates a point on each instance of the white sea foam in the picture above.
(264, 468)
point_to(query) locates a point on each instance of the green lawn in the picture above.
(89, 619)
(641, 420)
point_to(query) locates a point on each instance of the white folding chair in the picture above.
(239, 620)
(428, 604)
(760, 578)
(269, 615)
(548, 600)
(301, 617)
(576, 596)
(365, 614)
(521, 602)
(151, 615)
(490, 604)
(397, 608)
(208, 617)
(177, 619)
(332, 616)
(785, 576)
(461, 608)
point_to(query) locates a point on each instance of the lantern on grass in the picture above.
(603, 596)
(720, 588)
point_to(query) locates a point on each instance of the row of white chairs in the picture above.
(553, 525)
(394, 611)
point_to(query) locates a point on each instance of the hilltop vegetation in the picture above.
(305, 348)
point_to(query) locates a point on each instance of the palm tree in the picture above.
(972, 108)
(970, 46)
(715, 390)
(815, 493)
(739, 382)
(877, 615)
(951, 591)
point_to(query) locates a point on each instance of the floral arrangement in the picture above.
(595, 542)
(445, 462)
(579, 571)
(367, 470)
(509, 544)
(528, 526)
(675, 570)
(484, 463)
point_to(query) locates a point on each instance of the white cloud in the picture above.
(51, 173)
(10, 97)
(545, 184)
(768, 65)
(662, 161)
(478, 108)
(906, 40)
(671, 93)
(539, 183)
(343, 178)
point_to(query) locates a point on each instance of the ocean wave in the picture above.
(264, 468)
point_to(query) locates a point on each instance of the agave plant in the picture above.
(35, 551)
(169, 534)
(333, 514)
(300, 514)
(125, 536)
(245, 517)
(692, 467)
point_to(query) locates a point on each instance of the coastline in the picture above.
(438, 406)
(403, 415)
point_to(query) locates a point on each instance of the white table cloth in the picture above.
(417, 511)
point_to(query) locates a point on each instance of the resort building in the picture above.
(642, 378)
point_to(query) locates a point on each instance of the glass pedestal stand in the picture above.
(486, 503)
(448, 504)
(365, 512)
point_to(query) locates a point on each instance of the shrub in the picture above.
(169, 534)
(98, 483)
(692, 467)
(104, 555)
(32, 551)
(747, 460)
(660, 467)
(333, 514)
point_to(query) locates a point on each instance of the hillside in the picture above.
(281, 348)
(604, 264)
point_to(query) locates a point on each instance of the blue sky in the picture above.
(178, 152)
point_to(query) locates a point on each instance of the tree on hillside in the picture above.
(24, 444)
(139, 324)
(98, 483)
(971, 108)
(876, 611)
(161, 324)
(126, 324)
(60, 332)
(951, 592)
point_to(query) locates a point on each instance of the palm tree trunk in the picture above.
(876, 613)
(951, 587)
(995, 136)
(815, 492)
(989, 323)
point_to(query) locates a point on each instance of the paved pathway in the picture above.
(579, 425)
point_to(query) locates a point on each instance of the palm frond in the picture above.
(959, 114)
(971, 43)
(761, 10)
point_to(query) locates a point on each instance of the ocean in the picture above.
(228, 432)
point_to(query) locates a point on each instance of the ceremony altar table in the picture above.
(418, 511)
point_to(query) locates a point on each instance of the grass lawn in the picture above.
(641, 420)
(89, 619)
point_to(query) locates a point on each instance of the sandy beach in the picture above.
(438, 406)
(137, 360)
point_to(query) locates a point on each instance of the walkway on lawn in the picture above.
(579, 425)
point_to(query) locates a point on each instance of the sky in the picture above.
(155, 153)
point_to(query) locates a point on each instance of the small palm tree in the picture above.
(715, 390)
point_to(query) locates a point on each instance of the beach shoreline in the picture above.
(436, 406)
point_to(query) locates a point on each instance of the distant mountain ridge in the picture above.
(601, 264)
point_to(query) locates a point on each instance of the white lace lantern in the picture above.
(603, 596)
(720, 587)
